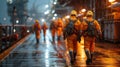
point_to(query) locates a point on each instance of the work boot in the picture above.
(37, 41)
(88, 61)
(71, 57)
(92, 57)
(74, 56)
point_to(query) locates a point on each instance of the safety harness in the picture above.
(91, 29)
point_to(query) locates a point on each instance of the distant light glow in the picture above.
(4, 18)
(14, 30)
(17, 21)
(111, 1)
(83, 10)
(114, 2)
(10, 1)
(53, 11)
(53, 18)
(79, 14)
(55, 15)
(67, 16)
(46, 6)
(28, 31)
(47, 12)
(43, 20)
(55, 3)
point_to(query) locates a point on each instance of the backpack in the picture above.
(53, 25)
(91, 29)
(69, 29)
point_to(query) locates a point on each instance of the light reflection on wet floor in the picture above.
(30, 54)
(46, 54)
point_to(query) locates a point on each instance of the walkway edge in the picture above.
(9, 50)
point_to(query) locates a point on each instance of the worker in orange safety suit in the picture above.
(44, 28)
(37, 30)
(91, 30)
(53, 26)
(59, 28)
(70, 32)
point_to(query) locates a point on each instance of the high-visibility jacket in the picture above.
(37, 29)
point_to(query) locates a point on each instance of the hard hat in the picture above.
(59, 19)
(37, 21)
(89, 13)
(74, 12)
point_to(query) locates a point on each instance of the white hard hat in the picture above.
(74, 12)
(89, 13)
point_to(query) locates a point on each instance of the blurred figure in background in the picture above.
(44, 28)
(37, 30)
(53, 27)
(59, 28)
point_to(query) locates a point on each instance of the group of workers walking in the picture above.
(72, 30)
(37, 29)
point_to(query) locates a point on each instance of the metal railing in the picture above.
(9, 36)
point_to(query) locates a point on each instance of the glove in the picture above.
(99, 34)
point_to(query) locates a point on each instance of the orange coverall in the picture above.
(44, 27)
(37, 29)
(89, 42)
(59, 28)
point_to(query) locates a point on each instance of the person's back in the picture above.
(53, 27)
(59, 28)
(37, 29)
(90, 28)
(44, 27)
(71, 29)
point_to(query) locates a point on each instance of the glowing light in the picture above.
(46, 6)
(53, 18)
(55, 15)
(55, 3)
(43, 20)
(83, 10)
(28, 31)
(10, 1)
(4, 18)
(67, 17)
(17, 21)
(53, 11)
(111, 1)
(14, 30)
(47, 12)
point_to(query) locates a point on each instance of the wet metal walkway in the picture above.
(47, 54)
